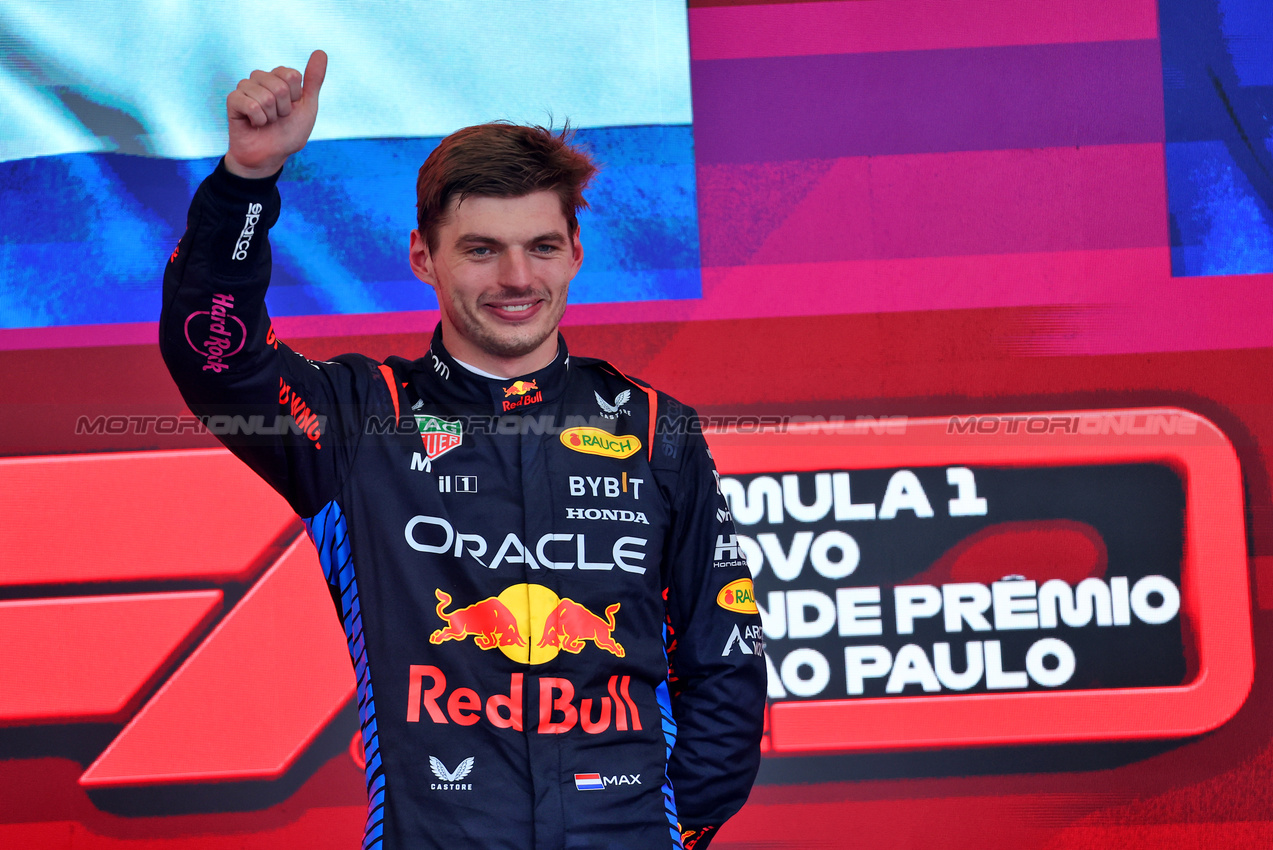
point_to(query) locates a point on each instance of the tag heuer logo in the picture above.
(439, 436)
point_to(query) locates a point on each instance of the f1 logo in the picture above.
(121, 649)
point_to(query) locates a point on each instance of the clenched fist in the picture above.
(271, 115)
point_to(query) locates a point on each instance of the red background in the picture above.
(1017, 275)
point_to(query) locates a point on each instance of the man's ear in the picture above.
(576, 253)
(422, 259)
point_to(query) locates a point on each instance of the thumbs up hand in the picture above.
(271, 116)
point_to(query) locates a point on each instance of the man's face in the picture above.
(501, 271)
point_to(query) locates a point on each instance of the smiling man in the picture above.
(554, 636)
(499, 241)
(501, 285)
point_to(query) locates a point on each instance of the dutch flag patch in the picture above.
(589, 782)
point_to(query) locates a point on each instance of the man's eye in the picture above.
(545, 249)
(480, 251)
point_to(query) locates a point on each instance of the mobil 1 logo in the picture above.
(926, 581)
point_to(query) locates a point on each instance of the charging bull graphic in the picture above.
(570, 624)
(520, 388)
(489, 622)
(503, 622)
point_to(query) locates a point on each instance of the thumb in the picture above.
(315, 71)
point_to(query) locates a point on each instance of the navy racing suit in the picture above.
(554, 636)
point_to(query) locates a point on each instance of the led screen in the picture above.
(974, 301)
(97, 161)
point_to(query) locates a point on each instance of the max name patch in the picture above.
(594, 441)
(738, 596)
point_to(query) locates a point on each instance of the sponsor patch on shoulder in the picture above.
(738, 596)
(594, 441)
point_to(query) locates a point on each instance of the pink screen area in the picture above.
(974, 278)
(1078, 233)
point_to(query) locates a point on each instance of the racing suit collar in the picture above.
(506, 395)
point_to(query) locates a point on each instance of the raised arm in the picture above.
(296, 422)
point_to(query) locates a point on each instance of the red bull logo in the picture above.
(489, 622)
(558, 712)
(570, 625)
(523, 400)
(519, 388)
(522, 610)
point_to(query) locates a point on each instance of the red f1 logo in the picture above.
(168, 661)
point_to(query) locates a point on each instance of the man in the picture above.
(555, 640)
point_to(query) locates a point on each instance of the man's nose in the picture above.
(516, 271)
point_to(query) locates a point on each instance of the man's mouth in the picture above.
(516, 311)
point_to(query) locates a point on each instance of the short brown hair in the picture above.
(501, 160)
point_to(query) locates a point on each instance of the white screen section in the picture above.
(150, 77)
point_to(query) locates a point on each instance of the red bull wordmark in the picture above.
(558, 710)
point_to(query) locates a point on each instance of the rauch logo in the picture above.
(594, 441)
